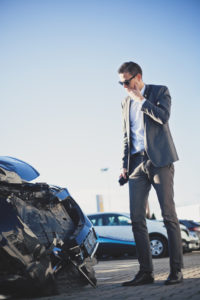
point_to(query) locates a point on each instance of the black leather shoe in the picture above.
(140, 279)
(174, 278)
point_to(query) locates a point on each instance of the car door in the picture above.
(116, 226)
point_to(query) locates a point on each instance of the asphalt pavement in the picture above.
(111, 273)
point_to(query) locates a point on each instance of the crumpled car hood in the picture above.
(21, 168)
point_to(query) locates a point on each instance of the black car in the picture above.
(43, 234)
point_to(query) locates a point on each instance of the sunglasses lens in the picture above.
(126, 82)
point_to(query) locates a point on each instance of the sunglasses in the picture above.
(127, 81)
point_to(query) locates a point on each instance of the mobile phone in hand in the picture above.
(123, 180)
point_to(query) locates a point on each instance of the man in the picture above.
(148, 156)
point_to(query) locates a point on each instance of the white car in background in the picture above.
(116, 237)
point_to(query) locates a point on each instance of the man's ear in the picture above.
(139, 77)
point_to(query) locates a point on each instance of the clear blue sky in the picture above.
(60, 98)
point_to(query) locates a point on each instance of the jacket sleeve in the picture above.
(159, 109)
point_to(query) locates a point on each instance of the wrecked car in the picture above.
(44, 235)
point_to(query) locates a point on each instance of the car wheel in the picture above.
(158, 246)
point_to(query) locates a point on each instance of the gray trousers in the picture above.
(143, 175)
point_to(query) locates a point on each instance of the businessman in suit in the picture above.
(148, 157)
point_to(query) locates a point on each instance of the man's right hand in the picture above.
(124, 173)
(123, 177)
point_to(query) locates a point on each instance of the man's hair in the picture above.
(130, 67)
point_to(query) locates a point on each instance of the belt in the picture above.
(141, 153)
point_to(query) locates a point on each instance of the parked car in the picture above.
(194, 229)
(44, 235)
(190, 241)
(116, 237)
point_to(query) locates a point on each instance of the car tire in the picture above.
(158, 246)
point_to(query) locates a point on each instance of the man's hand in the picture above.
(135, 93)
(123, 177)
(124, 173)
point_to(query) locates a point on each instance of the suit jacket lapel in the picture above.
(146, 91)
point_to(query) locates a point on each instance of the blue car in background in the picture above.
(44, 235)
(116, 237)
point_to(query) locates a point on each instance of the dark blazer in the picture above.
(158, 141)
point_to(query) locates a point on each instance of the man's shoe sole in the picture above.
(137, 284)
(173, 282)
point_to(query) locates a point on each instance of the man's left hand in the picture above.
(135, 93)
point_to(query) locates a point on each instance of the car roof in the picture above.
(189, 222)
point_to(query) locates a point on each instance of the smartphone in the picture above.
(123, 180)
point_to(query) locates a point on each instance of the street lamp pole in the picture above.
(105, 170)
